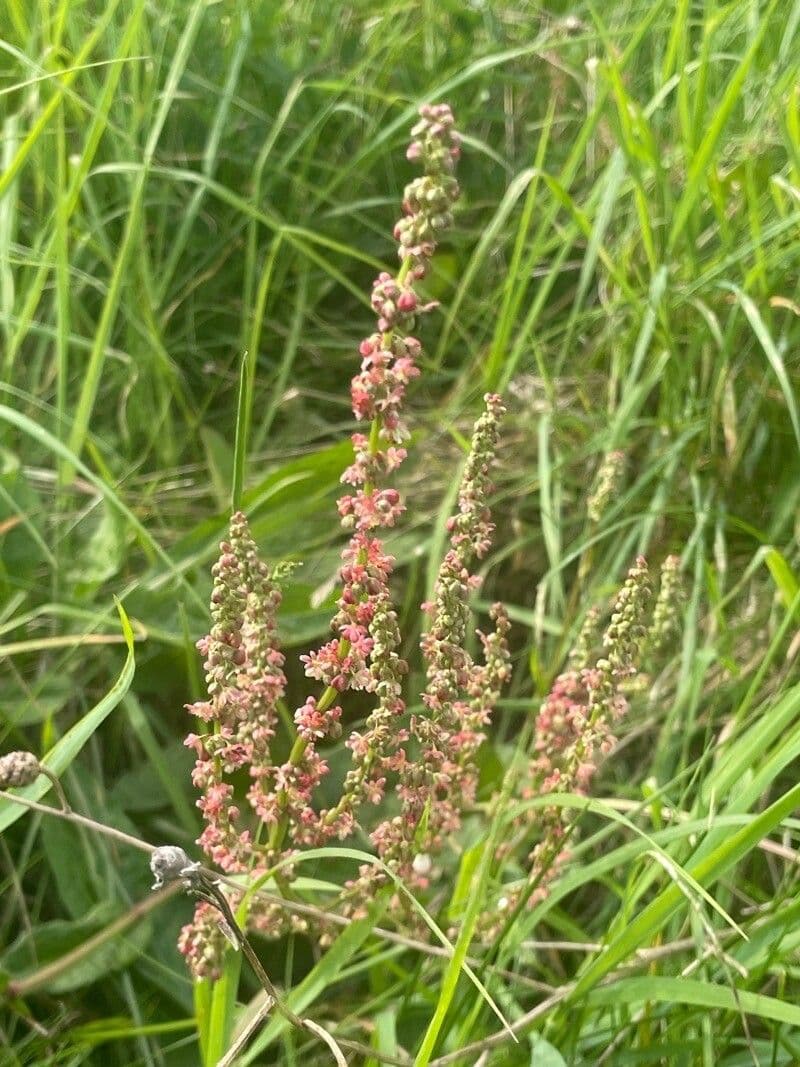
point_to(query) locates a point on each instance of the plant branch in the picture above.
(79, 820)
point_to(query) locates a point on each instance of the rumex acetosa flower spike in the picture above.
(363, 653)
(574, 727)
(459, 697)
(245, 681)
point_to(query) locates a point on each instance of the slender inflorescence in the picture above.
(245, 681)
(606, 485)
(575, 723)
(588, 635)
(666, 611)
(437, 785)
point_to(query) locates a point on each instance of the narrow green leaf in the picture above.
(700, 994)
(772, 354)
(243, 414)
(93, 370)
(67, 78)
(649, 921)
(320, 978)
(782, 574)
(696, 177)
(150, 545)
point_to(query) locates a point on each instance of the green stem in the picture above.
(208, 890)
(298, 751)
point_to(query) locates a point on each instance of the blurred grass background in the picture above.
(186, 182)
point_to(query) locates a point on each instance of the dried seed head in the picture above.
(169, 863)
(18, 768)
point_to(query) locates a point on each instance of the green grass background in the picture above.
(186, 182)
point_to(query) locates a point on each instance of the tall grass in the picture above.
(193, 200)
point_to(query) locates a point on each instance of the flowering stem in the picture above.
(374, 446)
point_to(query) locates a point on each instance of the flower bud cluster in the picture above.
(484, 688)
(587, 639)
(605, 703)
(427, 203)
(389, 359)
(573, 727)
(471, 527)
(388, 364)
(245, 681)
(376, 751)
(202, 943)
(395, 303)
